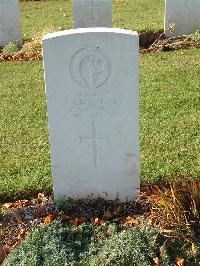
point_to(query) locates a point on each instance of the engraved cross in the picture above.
(93, 6)
(94, 138)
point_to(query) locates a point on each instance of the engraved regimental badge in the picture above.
(90, 66)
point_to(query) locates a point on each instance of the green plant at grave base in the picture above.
(195, 36)
(63, 204)
(11, 48)
(57, 244)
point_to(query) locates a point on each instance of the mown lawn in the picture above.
(170, 111)
(128, 14)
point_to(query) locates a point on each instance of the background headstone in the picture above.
(10, 22)
(92, 13)
(92, 89)
(183, 15)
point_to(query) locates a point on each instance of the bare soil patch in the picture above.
(157, 42)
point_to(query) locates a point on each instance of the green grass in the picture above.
(130, 14)
(170, 112)
(39, 15)
(138, 15)
(24, 151)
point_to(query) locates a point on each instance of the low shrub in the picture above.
(57, 244)
(11, 48)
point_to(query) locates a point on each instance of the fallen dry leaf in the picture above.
(22, 233)
(130, 221)
(41, 197)
(74, 221)
(97, 221)
(21, 203)
(2, 253)
(48, 219)
(8, 205)
(150, 222)
(180, 262)
(17, 217)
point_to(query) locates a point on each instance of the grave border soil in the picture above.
(149, 42)
(20, 217)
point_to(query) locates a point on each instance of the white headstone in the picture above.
(93, 112)
(10, 23)
(182, 17)
(92, 13)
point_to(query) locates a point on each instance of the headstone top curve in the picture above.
(89, 30)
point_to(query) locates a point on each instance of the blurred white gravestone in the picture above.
(92, 13)
(92, 90)
(182, 17)
(10, 22)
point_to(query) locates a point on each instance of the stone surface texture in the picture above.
(183, 16)
(92, 13)
(10, 22)
(92, 90)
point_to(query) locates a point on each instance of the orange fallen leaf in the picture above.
(74, 221)
(97, 221)
(130, 221)
(180, 261)
(48, 219)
